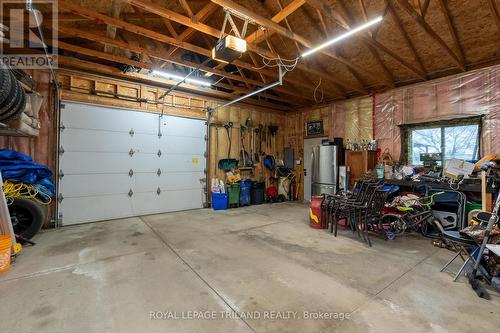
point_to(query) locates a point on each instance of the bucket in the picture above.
(219, 201)
(5, 252)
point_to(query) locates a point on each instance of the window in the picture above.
(453, 141)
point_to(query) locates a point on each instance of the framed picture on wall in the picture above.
(314, 128)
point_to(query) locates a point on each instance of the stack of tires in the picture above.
(12, 95)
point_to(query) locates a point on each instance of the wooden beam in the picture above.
(160, 55)
(170, 28)
(116, 7)
(494, 13)
(428, 29)
(68, 6)
(403, 32)
(193, 88)
(186, 7)
(289, 34)
(174, 16)
(259, 35)
(201, 16)
(425, 6)
(453, 31)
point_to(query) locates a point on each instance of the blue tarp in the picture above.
(18, 167)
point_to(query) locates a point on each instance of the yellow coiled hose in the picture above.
(22, 190)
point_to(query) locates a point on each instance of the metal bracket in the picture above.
(130, 193)
(158, 172)
(62, 127)
(131, 173)
(159, 153)
(131, 152)
(158, 191)
(61, 174)
(60, 198)
(159, 135)
(61, 150)
(205, 154)
(131, 132)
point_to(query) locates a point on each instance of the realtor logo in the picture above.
(28, 33)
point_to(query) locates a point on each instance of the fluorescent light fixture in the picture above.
(343, 36)
(177, 77)
(250, 94)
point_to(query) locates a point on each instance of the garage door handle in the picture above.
(130, 193)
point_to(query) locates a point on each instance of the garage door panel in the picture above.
(76, 115)
(178, 126)
(96, 163)
(178, 181)
(98, 184)
(182, 163)
(181, 145)
(93, 162)
(95, 208)
(95, 141)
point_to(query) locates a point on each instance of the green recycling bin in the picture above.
(233, 191)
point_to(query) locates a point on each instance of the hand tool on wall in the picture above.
(256, 139)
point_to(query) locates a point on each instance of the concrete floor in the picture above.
(260, 261)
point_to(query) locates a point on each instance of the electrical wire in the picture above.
(322, 94)
(21, 190)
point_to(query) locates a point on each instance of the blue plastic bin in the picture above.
(219, 201)
(245, 192)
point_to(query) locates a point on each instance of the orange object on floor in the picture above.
(315, 217)
(5, 252)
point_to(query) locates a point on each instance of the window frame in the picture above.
(406, 134)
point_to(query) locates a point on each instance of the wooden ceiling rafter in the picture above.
(405, 5)
(453, 31)
(259, 35)
(495, 12)
(405, 35)
(287, 33)
(124, 60)
(370, 46)
(424, 6)
(160, 55)
(116, 7)
(69, 6)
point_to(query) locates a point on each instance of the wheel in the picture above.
(27, 217)
(432, 228)
(11, 99)
(5, 82)
(17, 108)
(393, 223)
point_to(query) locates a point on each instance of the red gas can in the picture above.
(315, 216)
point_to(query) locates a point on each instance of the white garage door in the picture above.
(114, 163)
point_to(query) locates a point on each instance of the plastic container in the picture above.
(258, 189)
(5, 253)
(233, 191)
(245, 192)
(219, 201)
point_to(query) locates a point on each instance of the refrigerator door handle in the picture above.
(313, 168)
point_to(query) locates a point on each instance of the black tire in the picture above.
(5, 83)
(11, 98)
(17, 108)
(27, 217)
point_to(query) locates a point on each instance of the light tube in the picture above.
(181, 78)
(250, 94)
(343, 36)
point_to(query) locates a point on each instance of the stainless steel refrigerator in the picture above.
(325, 169)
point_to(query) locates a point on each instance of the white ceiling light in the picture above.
(343, 36)
(177, 77)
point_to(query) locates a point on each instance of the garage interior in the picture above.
(250, 166)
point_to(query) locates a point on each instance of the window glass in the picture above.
(455, 141)
(427, 140)
(461, 142)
